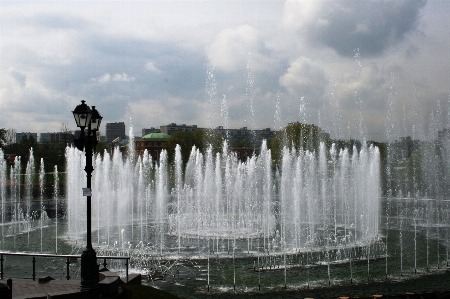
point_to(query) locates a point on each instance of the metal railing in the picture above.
(69, 260)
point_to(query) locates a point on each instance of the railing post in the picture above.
(1, 266)
(9, 284)
(68, 269)
(34, 268)
(126, 264)
(104, 263)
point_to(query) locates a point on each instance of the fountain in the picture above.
(318, 208)
(219, 224)
(321, 217)
(223, 201)
(216, 224)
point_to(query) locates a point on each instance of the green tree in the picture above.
(185, 139)
(203, 138)
(299, 136)
(240, 143)
(24, 146)
(101, 147)
(53, 154)
(3, 140)
(10, 138)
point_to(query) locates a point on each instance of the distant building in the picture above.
(154, 143)
(66, 137)
(173, 128)
(244, 133)
(149, 131)
(45, 137)
(114, 131)
(20, 136)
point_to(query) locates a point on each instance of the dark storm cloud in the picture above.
(371, 26)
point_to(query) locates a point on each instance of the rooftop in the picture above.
(156, 136)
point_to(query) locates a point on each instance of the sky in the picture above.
(357, 68)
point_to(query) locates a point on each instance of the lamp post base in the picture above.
(89, 272)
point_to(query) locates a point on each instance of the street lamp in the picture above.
(86, 117)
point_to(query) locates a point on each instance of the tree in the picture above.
(66, 131)
(203, 138)
(2, 137)
(298, 136)
(10, 137)
(240, 143)
(185, 139)
(24, 147)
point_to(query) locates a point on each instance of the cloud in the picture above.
(305, 78)
(148, 60)
(105, 78)
(151, 66)
(18, 76)
(56, 20)
(371, 26)
(230, 49)
(122, 78)
(160, 110)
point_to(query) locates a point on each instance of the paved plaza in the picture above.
(27, 288)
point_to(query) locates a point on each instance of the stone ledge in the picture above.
(109, 286)
(75, 294)
(134, 278)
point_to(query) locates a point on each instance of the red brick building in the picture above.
(153, 143)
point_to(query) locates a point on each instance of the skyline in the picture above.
(373, 69)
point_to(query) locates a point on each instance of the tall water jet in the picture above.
(41, 195)
(56, 194)
(29, 172)
(3, 167)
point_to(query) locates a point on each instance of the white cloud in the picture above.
(305, 78)
(123, 78)
(151, 66)
(162, 109)
(297, 13)
(105, 78)
(231, 48)
(102, 79)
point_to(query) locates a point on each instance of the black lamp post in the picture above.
(86, 117)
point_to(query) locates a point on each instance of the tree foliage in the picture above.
(66, 131)
(185, 139)
(10, 136)
(203, 138)
(2, 137)
(53, 153)
(297, 136)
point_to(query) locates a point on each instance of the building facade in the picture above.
(114, 131)
(149, 131)
(154, 143)
(244, 133)
(173, 128)
(20, 136)
(56, 137)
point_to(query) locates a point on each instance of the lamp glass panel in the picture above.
(95, 124)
